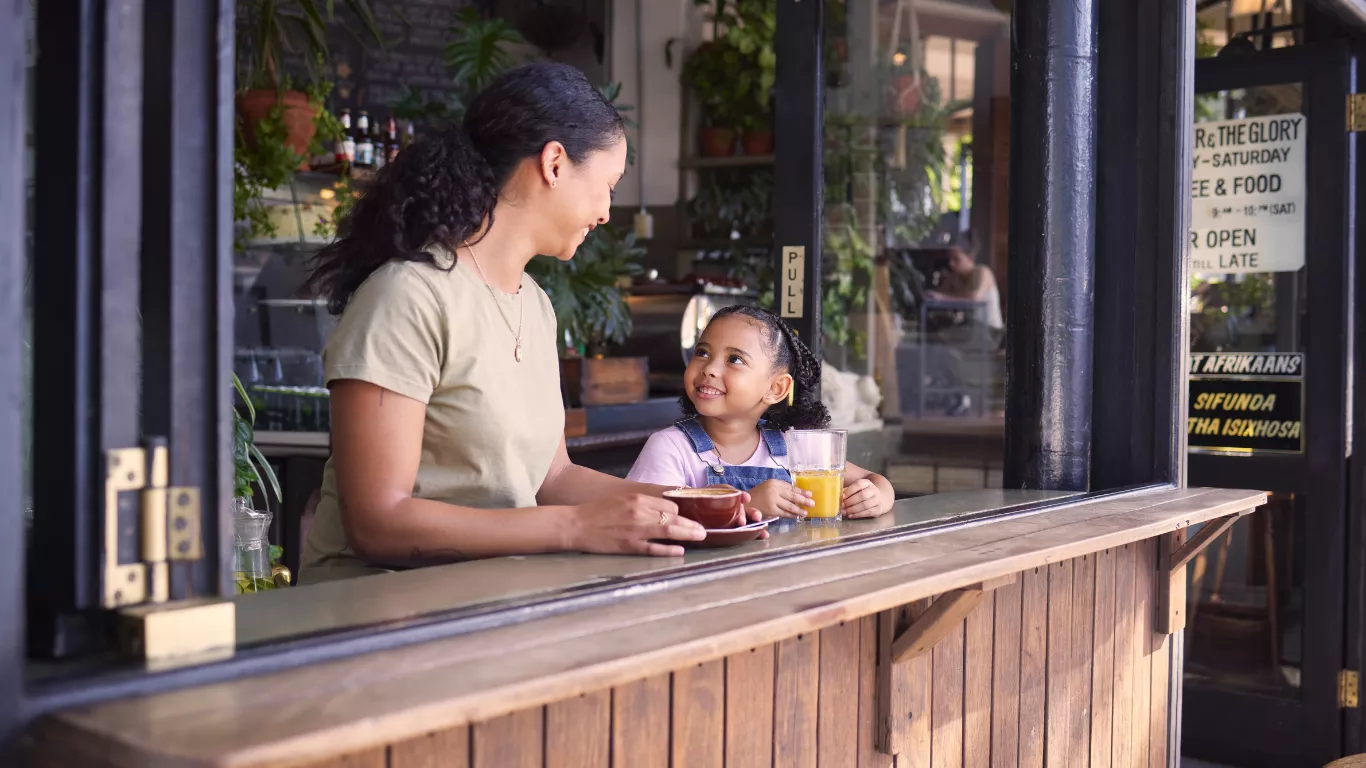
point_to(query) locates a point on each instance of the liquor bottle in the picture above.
(408, 137)
(393, 139)
(365, 146)
(381, 151)
(345, 147)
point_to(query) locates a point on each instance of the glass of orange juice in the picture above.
(816, 457)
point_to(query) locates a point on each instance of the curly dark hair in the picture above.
(442, 188)
(789, 353)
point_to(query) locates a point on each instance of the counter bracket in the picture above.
(947, 612)
(1175, 552)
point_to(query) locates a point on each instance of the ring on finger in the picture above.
(663, 518)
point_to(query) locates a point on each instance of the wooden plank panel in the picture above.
(1122, 750)
(1079, 673)
(1033, 666)
(1144, 606)
(578, 731)
(1059, 677)
(977, 686)
(369, 758)
(837, 731)
(749, 701)
(796, 699)
(640, 723)
(946, 698)
(869, 756)
(510, 741)
(916, 679)
(699, 715)
(444, 749)
(1157, 711)
(1103, 662)
(1005, 677)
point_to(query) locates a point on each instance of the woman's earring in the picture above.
(792, 394)
(554, 184)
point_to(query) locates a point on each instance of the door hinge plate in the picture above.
(1356, 112)
(1348, 682)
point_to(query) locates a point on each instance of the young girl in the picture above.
(749, 380)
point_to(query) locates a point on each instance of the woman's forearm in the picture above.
(417, 531)
(573, 484)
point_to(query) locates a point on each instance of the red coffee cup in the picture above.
(711, 507)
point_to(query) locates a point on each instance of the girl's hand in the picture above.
(862, 499)
(781, 499)
(626, 525)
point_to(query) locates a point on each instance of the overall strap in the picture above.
(701, 442)
(777, 444)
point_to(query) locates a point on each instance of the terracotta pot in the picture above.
(298, 117)
(718, 142)
(757, 142)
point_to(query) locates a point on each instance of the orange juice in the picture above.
(826, 487)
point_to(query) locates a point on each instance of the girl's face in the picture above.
(731, 373)
(581, 198)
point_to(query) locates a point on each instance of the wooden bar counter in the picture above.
(1002, 635)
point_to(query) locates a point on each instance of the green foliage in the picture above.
(326, 226)
(734, 73)
(265, 163)
(589, 307)
(249, 466)
(476, 53)
(432, 113)
(280, 27)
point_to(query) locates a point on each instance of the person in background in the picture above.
(968, 281)
(447, 422)
(749, 380)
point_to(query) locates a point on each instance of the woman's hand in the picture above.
(626, 525)
(780, 499)
(862, 499)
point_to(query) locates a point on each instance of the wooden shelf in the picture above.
(734, 161)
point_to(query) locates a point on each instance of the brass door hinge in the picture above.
(165, 522)
(1348, 681)
(1356, 112)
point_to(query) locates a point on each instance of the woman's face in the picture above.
(581, 199)
(961, 263)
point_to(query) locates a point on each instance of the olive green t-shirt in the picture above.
(493, 424)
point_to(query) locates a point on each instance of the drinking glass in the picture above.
(817, 461)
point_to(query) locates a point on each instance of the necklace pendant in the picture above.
(517, 353)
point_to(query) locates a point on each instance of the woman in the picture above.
(967, 280)
(447, 422)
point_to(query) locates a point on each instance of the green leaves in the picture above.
(476, 54)
(289, 26)
(250, 467)
(589, 306)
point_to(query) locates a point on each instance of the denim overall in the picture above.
(744, 478)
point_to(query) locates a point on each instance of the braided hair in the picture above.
(789, 353)
(443, 188)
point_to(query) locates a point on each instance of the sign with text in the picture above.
(1248, 195)
(792, 282)
(1246, 403)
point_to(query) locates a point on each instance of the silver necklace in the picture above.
(517, 334)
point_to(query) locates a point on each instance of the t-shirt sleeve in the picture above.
(660, 462)
(390, 335)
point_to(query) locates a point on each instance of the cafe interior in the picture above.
(166, 398)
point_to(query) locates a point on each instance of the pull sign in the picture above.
(793, 283)
(1356, 112)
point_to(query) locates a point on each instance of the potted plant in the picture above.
(278, 27)
(592, 315)
(711, 72)
(257, 561)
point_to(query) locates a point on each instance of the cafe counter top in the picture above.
(829, 639)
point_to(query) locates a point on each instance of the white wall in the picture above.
(659, 108)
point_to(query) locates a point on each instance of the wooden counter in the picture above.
(1039, 630)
